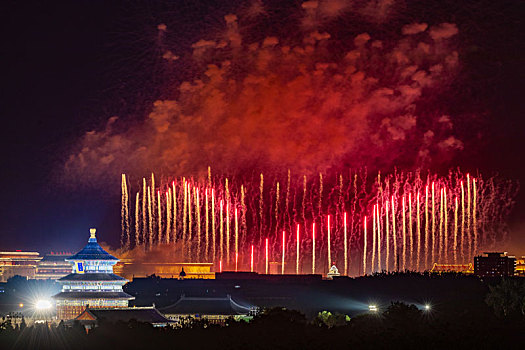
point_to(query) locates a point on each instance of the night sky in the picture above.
(69, 66)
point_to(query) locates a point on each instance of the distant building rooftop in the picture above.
(92, 251)
(124, 314)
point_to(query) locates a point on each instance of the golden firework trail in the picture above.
(394, 234)
(462, 223)
(404, 236)
(150, 218)
(432, 250)
(124, 213)
(190, 223)
(162, 220)
(364, 246)
(236, 233)
(283, 256)
(474, 217)
(456, 231)
(445, 206)
(426, 226)
(345, 243)
(153, 201)
(137, 220)
(387, 229)
(198, 220)
(313, 248)
(373, 238)
(206, 227)
(168, 215)
(227, 222)
(144, 212)
(221, 232)
(328, 241)
(174, 210)
(297, 254)
(184, 214)
(418, 229)
(213, 223)
(440, 242)
(159, 224)
(469, 238)
(410, 232)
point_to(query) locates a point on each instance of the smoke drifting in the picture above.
(310, 100)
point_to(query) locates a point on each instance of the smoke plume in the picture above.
(311, 100)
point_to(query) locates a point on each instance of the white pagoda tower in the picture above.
(92, 282)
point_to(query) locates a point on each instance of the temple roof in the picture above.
(93, 295)
(205, 306)
(92, 251)
(92, 277)
(141, 314)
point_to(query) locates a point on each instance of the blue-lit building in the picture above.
(92, 282)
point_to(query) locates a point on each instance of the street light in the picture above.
(43, 304)
(372, 308)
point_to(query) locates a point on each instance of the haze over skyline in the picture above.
(69, 68)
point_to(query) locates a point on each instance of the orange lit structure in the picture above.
(459, 268)
(18, 263)
(128, 268)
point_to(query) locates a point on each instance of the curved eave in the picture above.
(93, 295)
(92, 277)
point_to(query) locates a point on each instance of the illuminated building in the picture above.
(18, 263)
(131, 269)
(90, 316)
(494, 265)
(92, 282)
(459, 268)
(53, 266)
(520, 267)
(215, 310)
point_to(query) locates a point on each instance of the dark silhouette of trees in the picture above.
(507, 298)
(330, 320)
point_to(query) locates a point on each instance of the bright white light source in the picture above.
(372, 308)
(427, 307)
(43, 304)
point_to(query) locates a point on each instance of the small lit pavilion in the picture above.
(92, 283)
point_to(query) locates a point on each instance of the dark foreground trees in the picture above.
(399, 326)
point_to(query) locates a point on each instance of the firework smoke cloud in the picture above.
(310, 100)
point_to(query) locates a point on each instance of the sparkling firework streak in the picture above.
(178, 219)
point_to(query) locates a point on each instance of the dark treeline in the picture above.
(471, 314)
(399, 326)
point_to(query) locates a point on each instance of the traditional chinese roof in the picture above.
(205, 306)
(141, 314)
(464, 268)
(92, 251)
(93, 295)
(88, 277)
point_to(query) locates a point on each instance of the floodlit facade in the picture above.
(53, 267)
(494, 265)
(92, 283)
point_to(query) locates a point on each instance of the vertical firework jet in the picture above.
(179, 219)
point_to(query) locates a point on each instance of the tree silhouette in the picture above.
(506, 297)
